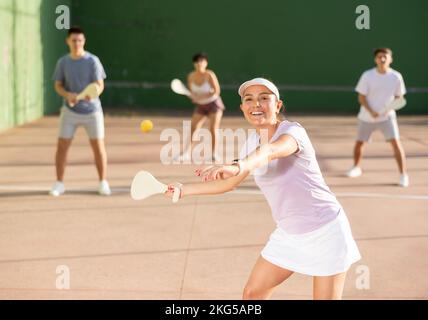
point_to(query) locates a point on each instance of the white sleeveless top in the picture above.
(204, 88)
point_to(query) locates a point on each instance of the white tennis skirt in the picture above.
(326, 251)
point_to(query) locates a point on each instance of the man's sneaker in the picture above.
(57, 189)
(354, 172)
(104, 188)
(404, 181)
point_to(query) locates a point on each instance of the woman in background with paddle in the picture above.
(205, 94)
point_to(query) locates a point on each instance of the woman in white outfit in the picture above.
(313, 236)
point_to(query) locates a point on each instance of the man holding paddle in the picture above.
(79, 79)
(380, 91)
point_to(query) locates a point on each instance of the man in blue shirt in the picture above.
(73, 73)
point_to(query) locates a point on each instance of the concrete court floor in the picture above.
(200, 248)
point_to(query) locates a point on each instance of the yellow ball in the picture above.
(146, 125)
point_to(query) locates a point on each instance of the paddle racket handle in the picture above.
(176, 195)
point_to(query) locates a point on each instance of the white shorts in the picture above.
(92, 122)
(326, 251)
(388, 127)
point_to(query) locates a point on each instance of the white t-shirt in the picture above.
(379, 89)
(294, 187)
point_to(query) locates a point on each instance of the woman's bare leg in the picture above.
(197, 123)
(329, 287)
(264, 278)
(215, 119)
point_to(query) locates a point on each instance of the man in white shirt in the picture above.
(376, 88)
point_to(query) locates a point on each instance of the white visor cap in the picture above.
(258, 82)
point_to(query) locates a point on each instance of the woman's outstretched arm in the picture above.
(225, 178)
(212, 187)
(284, 146)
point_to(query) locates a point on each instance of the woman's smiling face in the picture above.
(260, 106)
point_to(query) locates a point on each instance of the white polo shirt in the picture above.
(380, 89)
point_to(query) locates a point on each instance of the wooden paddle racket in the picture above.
(145, 185)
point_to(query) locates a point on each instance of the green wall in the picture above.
(27, 39)
(54, 46)
(312, 49)
(20, 67)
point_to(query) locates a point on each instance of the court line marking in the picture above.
(355, 195)
(39, 188)
(238, 191)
